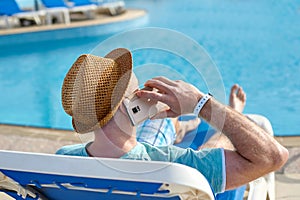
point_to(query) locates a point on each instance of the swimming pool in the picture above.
(253, 43)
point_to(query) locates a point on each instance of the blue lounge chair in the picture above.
(61, 8)
(10, 9)
(114, 6)
(43, 176)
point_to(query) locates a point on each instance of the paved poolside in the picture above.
(40, 140)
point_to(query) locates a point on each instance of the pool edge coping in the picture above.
(130, 14)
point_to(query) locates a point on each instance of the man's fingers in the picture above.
(158, 84)
(153, 96)
(181, 97)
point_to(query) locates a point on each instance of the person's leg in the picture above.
(184, 126)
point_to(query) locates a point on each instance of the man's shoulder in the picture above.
(73, 150)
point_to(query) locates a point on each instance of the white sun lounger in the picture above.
(46, 176)
(10, 9)
(62, 10)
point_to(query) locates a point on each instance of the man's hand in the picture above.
(180, 96)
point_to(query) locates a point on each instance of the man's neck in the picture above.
(112, 142)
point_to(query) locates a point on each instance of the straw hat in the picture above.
(94, 88)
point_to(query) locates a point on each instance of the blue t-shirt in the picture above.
(210, 162)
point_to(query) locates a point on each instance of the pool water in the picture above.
(253, 43)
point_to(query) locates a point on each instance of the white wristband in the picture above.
(201, 103)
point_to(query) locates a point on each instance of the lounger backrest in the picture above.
(9, 7)
(57, 177)
(53, 3)
(81, 2)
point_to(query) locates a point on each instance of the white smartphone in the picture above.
(140, 109)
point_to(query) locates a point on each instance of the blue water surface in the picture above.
(253, 43)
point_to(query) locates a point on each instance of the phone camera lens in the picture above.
(136, 109)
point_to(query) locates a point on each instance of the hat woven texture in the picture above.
(94, 88)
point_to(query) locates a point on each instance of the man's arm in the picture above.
(256, 154)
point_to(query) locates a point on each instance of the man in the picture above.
(93, 92)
